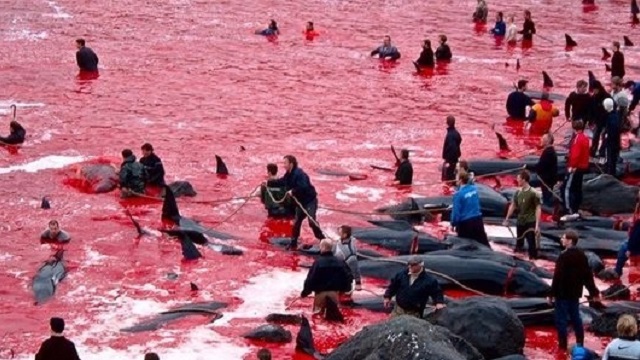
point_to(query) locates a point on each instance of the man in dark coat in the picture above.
(327, 277)
(617, 61)
(547, 168)
(304, 195)
(404, 173)
(412, 289)
(451, 150)
(57, 347)
(85, 57)
(154, 170)
(131, 175)
(571, 274)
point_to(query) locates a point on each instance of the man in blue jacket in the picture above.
(466, 216)
(299, 187)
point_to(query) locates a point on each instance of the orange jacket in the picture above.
(545, 112)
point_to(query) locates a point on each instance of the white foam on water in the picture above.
(265, 294)
(47, 162)
(5, 105)
(25, 34)
(347, 195)
(59, 12)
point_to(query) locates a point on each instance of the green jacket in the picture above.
(132, 175)
(273, 208)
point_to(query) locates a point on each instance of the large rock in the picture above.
(269, 333)
(405, 337)
(606, 195)
(485, 322)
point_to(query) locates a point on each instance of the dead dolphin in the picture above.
(157, 322)
(221, 167)
(190, 232)
(99, 178)
(271, 333)
(569, 42)
(486, 276)
(539, 312)
(47, 278)
(607, 195)
(304, 340)
(403, 242)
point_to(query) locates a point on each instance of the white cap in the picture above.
(608, 104)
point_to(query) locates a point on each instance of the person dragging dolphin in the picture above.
(327, 277)
(299, 187)
(412, 289)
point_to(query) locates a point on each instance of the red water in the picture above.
(191, 78)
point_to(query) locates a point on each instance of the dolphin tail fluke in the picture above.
(607, 68)
(333, 312)
(605, 54)
(189, 250)
(502, 142)
(546, 80)
(569, 41)
(170, 206)
(221, 167)
(304, 340)
(635, 10)
(14, 110)
(627, 41)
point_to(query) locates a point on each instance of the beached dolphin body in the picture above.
(157, 322)
(486, 276)
(47, 278)
(190, 231)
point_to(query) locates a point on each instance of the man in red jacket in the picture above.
(577, 166)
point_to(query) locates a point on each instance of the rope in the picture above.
(241, 205)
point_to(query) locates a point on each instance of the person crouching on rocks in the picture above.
(54, 234)
(327, 277)
(412, 289)
(345, 250)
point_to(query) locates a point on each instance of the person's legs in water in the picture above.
(312, 208)
(561, 315)
(622, 257)
(297, 225)
(573, 307)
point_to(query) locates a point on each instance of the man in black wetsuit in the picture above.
(443, 52)
(273, 199)
(547, 168)
(528, 28)
(518, 101)
(131, 175)
(451, 150)
(404, 173)
(85, 57)
(16, 136)
(426, 56)
(154, 171)
(299, 187)
(617, 61)
(578, 104)
(386, 51)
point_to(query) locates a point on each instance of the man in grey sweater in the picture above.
(346, 250)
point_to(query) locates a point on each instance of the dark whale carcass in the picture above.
(155, 323)
(403, 242)
(47, 278)
(606, 195)
(492, 203)
(485, 276)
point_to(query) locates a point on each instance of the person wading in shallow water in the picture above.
(345, 250)
(527, 202)
(131, 175)
(571, 274)
(298, 186)
(153, 167)
(327, 277)
(57, 347)
(86, 59)
(404, 173)
(412, 289)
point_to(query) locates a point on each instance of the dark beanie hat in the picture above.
(57, 324)
(151, 356)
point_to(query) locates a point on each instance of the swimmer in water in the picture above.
(386, 51)
(271, 30)
(16, 136)
(426, 56)
(310, 33)
(443, 53)
(54, 234)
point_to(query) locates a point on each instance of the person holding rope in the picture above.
(547, 168)
(131, 175)
(16, 134)
(466, 216)
(572, 273)
(451, 150)
(327, 277)
(274, 198)
(527, 202)
(345, 249)
(299, 187)
(412, 289)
